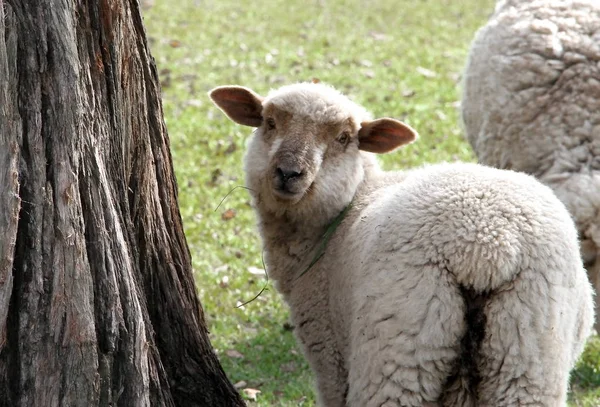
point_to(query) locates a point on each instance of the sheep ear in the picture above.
(240, 104)
(384, 135)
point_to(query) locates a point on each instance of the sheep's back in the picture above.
(531, 97)
(481, 224)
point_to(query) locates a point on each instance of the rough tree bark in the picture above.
(97, 301)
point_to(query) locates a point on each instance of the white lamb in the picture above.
(532, 103)
(454, 284)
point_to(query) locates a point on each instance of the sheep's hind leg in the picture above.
(526, 351)
(406, 338)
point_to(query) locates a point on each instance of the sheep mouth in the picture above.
(290, 190)
(286, 194)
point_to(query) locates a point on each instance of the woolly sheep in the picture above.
(531, 103)
(453, 284)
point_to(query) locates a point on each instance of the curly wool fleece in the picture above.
(453, 284)
(531, 103)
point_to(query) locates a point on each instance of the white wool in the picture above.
(452, 284)
(531, 103)
(321, 102)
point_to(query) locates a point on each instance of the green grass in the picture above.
(400, 58)
(586, 377)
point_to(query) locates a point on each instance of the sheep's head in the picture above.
(305, 154)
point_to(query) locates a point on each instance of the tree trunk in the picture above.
(97, 301)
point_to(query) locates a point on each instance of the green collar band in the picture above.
(331, 228)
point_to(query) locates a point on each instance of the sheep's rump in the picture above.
(476, 291)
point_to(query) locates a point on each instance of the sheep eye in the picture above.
(344, 138)
(270, 123)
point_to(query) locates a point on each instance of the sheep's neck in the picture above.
(290, 247)
(329, 231)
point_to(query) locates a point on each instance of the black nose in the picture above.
(285, 175)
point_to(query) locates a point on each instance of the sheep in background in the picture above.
(453, 284)
(531, 103)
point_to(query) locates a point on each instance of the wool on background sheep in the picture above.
(449, 285)
(531, 102)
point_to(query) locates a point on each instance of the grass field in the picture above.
(400, 58)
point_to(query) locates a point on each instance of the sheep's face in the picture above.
(305, 155)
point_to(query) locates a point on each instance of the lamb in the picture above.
(531, 103)
(448, 285)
